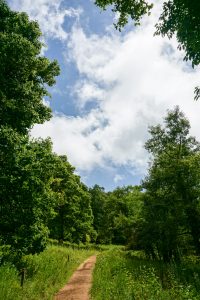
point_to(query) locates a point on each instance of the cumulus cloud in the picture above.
(87, 91)
(49, 13)
(133, 79)
(118, 178)
(74, 136)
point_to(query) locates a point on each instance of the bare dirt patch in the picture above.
(79, 285)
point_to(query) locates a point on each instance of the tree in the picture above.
(26, 166)
(27, 199)
(98, 203)
(116, 213)
(73, 214)
(125, 204)
(25, 74)
(127, 9)
(171, 188)
(179, 17)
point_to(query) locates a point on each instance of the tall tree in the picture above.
(27, 199)
(73, 214)
(172, 187)
(25, 74)
(26, 167)
(116, 213)
(123, 209)
(98, 202)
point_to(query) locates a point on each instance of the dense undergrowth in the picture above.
(81, 246)
(118, 275)
(124, 276)
(45, 273)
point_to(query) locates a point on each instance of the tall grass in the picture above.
(45, 274)
(87, 246)
(118, 276)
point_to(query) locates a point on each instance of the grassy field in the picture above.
(118, 275)
(121, 276)
(45, 274)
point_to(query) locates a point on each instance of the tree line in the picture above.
(42, 197)
(40, 194)
(162, 216)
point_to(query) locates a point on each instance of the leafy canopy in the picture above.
(27, 169)
(179, 17)
(131, 8)
(115, 213)
(171, 190)
(25, 74)
(73, 214)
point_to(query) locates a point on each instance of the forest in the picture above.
(43, 200)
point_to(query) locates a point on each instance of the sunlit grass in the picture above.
(118, 276)
(45, 274)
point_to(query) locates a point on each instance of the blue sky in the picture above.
(111, 88)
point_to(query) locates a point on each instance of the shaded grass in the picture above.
(45, 274)
(120, 276)
(87, 246)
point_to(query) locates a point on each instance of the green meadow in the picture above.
(121, 275)
(45, 273)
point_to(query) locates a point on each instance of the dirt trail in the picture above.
(79, 285)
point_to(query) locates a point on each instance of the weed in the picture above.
(45, 273)
(118, 276)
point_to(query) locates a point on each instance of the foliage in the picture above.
(182, 17)
(82, 246)
(124, 205)
(37, 186)
(179, 17)
(39, 190)
(132, 8)
(98, 205)
(118, 276)
(45, 274)
(171, 190)
(73, 215)
(116, 213)
(26, 167)
(27, 200)
(25, 74)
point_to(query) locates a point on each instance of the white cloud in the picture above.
(118, 178)
(87, 91)
(73, 136)
(134, 78)
(92, 54)
(49, 13)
